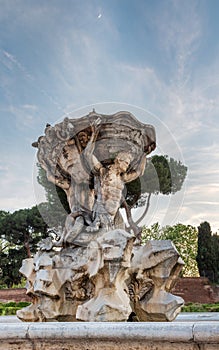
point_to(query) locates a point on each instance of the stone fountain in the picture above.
(98, 270)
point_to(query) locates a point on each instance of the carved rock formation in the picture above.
(105, 281)
(154, 270)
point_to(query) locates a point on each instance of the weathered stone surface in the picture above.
(97, 271)
(16, 331)
(110, 336)
(93, 276)
(111, 301)
(207, 334)
(105, 281)
(154, 269)
(91, 159)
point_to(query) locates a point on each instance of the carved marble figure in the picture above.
(97, 270)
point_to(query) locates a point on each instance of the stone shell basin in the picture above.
(118, 132)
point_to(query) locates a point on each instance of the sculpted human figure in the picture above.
(80, 195)
(109, 182)
(60, 156)
(92, 167)
(99, 273)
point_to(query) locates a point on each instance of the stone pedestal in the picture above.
(108, 280)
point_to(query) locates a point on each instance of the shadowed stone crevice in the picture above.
(193, 334)
(30, 340)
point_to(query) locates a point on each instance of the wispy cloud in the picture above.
(11, 62)
(25, 116)
(179, 28)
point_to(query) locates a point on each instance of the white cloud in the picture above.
(11, 62)
(179, 27)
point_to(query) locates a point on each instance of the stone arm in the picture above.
(135, 173)
(88, 154)
(58, 181)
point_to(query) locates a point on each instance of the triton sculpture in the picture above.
(97, 270)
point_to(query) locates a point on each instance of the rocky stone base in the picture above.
(107, 280)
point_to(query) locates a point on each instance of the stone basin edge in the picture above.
(206, 332)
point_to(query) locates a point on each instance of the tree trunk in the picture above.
(132, 225)
(27, 245)
(145, 211)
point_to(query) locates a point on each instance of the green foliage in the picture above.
(184, 237)
(170, 174)
(20, 232)
(215, 256)
(162, 175)
(208, 253)
(21, 283)
(10, 265)
(10, 308)
(23, 228)
(197, 307)
(56, 208)
(3, 214)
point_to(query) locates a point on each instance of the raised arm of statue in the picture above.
(136, 172)
(88, 154)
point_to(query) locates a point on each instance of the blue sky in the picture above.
(158, 59)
